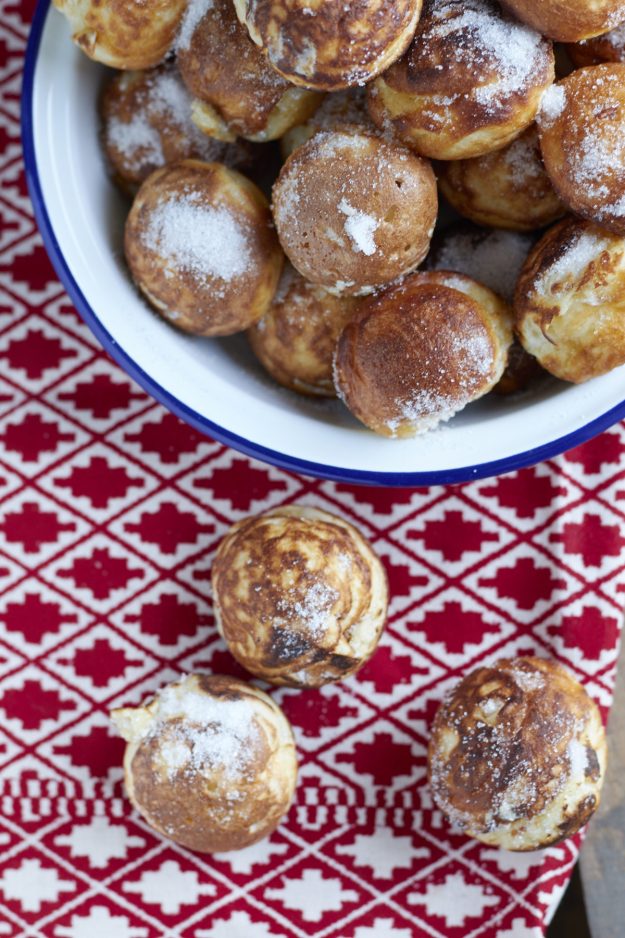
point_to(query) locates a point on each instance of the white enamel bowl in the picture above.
(216, 385)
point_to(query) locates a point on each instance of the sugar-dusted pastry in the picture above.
(300, 596)
(330, 44)
(337, 111)
(470, 82)
(569, 21)
(505, 189)
(570, 301)
(201, 247)
(210, 762)
(517, 754)
(493, 257)
(354, 211)
(419, 352)
(582, 138)
(146, 123)
(124, 33)
(237, 92)
(609, 47)
(296, 338)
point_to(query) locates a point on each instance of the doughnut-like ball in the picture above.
(566, 21)
(570, 301)
(582, 138)
(470, 82)
(210, 762)
(416, 354)
(354, 211)
(296, 339)
(300, 596)
(237, 92)
(517, 755)
(505, 189)
(124, 33)
(338, 111)
(201, 247)
(609, 47)
(330, 44)
(146, 123)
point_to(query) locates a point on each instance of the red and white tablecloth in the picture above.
(110, 511)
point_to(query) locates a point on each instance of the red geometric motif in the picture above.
(34, 435)
(241, 484)
(101, 396)
(100, 663)
(606, 450)
(453, 535)
(34, 704)
(456, 627)
(525, 583)
(526, 492)
(36, 353)
(100, 482)
(592, 540)
(35, 617)
(168, 527)
(32, 527)
(168, 438)
(101, 573)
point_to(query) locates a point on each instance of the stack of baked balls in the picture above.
(364, 97)
(301, 600)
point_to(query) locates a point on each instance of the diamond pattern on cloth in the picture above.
(110, 513)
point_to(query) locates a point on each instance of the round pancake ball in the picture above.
(568, 21)
(201, 247)
(517, 755)
(210, 762)
(609, 47)
(354, 211)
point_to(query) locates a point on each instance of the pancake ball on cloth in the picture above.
(570, 301)
(582, 138)
(124, 33)
(470, 82)
(210, 762)
(569, 21)
(517, 755)
(146, 124)
(418, 353)
(353, 211)
(330, 44)
(300, 596)
(237, 93)
(201, 247)
(509, 188)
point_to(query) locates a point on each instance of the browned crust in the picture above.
(131, 34)
(592, 121)
(610, 47)
(338, 172)
(439, 102)
(301, 596)
(505, 189)
(205, 305)
(402, 362)
(296, 339)
(521, 746)
(340, 45)
(193, 808)
(566, 21)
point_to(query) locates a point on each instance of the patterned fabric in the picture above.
(111, 510)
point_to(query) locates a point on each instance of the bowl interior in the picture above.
(216, 384)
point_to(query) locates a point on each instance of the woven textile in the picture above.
(110, 513)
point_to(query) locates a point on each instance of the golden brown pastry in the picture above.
(201, 247)
(146, 123)
(210, 762)
(470, 82)
(567, 21)
(330, 44)
(609, 47)
(124, 33)
(338, 111)
(296, 338)
(416, 354)
(582, 138)
(505, 189)
(570, 301)
(300, 596)
(353, 211)
(237, 92)
(518, 754)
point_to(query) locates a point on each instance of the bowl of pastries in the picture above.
(378, 242)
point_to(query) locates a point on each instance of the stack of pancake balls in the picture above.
(515, 112)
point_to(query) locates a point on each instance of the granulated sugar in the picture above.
(360, 227)
(195, 12)
(552, 105)
(204, 240)
(494, 258)
(310, 609)
(136, 139)
(583, 248)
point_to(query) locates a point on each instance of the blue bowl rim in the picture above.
(203, 424)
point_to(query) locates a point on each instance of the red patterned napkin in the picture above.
(111, 510)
